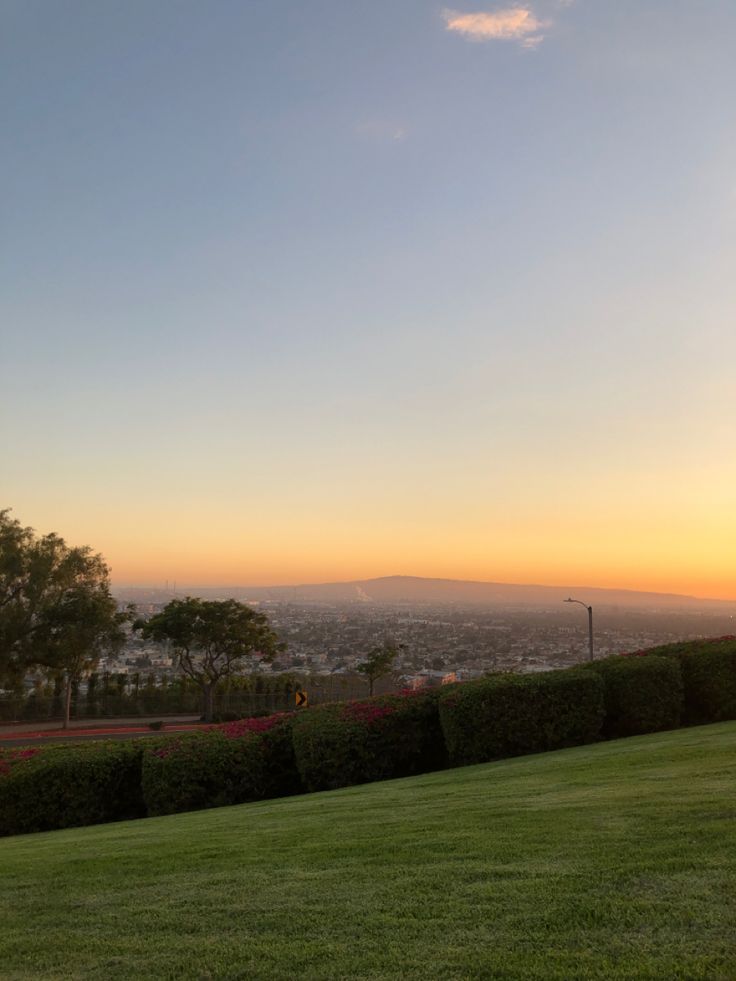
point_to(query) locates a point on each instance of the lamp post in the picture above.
(590, 624)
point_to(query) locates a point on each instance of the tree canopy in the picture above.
(379, 663)
(56, 609)
(212, 639)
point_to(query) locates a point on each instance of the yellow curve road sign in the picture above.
(301, 699)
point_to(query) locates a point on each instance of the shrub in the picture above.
(373, 739)
(231, 764)
(42, 789)
(708, 676)
(510, 715)
(640, 694)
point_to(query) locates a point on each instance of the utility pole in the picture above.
(590, 624)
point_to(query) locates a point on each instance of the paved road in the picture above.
(30, 734)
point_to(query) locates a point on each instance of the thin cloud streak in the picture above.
(380, 131)
(518, 24)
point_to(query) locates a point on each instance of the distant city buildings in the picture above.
(440, 644)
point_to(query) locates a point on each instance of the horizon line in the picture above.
(480, 582)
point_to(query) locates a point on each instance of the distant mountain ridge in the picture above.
(393, 590)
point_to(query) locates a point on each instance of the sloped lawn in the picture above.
(612, 861)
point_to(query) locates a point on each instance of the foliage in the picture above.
(239, 762)
(583, 865)
(375, 739)
(641, 695)
(708, 676)
(56, 609)
(211, 639)
(510, 715)
(378, 663)
(18, 551)
(42, 789)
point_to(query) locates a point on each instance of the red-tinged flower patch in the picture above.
(252, 759)
(366, 712)
(371, 739)
(9, 757)
(243, 727)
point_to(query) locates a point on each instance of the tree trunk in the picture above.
(209, 692)
(67, 702)
(371, 681)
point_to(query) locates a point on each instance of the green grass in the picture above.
(613, 861)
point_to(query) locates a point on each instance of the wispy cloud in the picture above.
(518, 24)
(380, 131)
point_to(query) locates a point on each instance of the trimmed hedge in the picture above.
(708, 676)
(510, 715)
(236, 763)
(374, 739)
(69, 786)
(337, 745)
(641, 694)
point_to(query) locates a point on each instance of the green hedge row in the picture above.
(708, 670)
(641, 694)
(70, 786)
(223, 766)
(510, 715)
(377, 739)
(348, 743)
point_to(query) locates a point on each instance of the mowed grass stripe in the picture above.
(610, 861)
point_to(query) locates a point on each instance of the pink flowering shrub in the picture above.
(371, 739)
(251, 759)
(234, 730)
(9, 757)
(366, 712)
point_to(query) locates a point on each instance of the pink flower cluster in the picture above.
(9, 758)
(234, 730)
(366, 712)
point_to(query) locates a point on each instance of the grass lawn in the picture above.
(614, 861)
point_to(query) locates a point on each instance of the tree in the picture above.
(379, 663)
(211, 639)
(18, 548)
(56, 609)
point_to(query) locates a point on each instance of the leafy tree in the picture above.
(56, 609)
(79, 622)
(379, 663)
(211, 639)
(20, 555)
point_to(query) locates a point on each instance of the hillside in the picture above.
(417, 590)
(612, 861)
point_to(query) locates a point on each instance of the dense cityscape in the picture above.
(445, 640)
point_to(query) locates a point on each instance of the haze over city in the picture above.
(301, 293)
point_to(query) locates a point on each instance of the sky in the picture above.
(298, 292)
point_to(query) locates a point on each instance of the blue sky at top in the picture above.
(342, 244)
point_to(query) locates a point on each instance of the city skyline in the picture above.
(314, 294)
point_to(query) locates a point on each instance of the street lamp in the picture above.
(590, 624)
